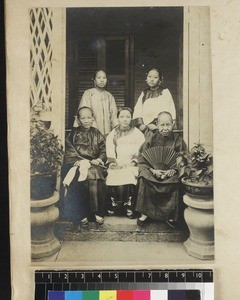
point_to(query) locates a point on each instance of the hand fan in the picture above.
(163, 158)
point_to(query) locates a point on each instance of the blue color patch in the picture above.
(73, 295)
(56, 295)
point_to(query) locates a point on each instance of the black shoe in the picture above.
(99, 220)
(84, 222)
(110, 213)
(130, 214)
(171, 223)
(114, 205)
(142, 222)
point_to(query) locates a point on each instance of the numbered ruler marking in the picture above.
(165, 276)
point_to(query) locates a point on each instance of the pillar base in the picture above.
(44, 215)
(47, 249)
(199, 217)
(204, 252)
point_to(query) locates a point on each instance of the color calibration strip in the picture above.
(126, 295)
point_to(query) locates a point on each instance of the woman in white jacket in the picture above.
(152, 101)
(122, 147)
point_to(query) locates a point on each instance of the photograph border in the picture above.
(225, 54)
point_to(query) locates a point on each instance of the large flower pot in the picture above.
(200, 221)
(199, 189)
(44, 215)
(42, 186)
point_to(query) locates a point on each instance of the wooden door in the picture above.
(91, 53)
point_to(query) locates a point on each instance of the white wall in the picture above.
(59, 72)
(197, 80)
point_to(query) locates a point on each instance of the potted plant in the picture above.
(46, 154)
(196, 170)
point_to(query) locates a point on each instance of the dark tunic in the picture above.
(88, 195)
(158, 199)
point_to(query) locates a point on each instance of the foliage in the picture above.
(196, 166)
(46, 150)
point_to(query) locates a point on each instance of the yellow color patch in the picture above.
(107, 295)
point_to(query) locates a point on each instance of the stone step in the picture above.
(121, 229)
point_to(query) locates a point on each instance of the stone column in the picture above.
(197, 78)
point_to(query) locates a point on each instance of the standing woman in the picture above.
(102, 103)
(122, 147)
(152, 101)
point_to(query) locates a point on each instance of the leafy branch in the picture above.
(46, 150)
(196, 166)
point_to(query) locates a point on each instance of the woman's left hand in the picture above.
(95, 162)
(157, 173)
(171, 172)
(152, 126)
(133, 164)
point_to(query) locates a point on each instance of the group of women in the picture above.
(105, 171)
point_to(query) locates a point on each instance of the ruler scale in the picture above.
(112, 284)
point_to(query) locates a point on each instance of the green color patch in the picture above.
(90, 295)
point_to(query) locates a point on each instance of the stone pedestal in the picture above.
(44, 215)
(200, 220)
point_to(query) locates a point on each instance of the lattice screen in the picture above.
(41, 26)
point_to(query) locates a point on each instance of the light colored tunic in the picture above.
(123, 151)
(104, 109)
(149, 109)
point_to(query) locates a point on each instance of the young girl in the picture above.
(83, 171)
(102, 104)
(151, 102)
(122, 147)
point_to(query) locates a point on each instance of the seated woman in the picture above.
(158, 176)
(122, 147)
(83, 171)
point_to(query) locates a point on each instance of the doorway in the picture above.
(110, 53)
(125, 42)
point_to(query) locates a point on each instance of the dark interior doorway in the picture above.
(126, 42)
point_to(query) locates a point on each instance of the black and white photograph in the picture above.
(121, 135)
(122, 126)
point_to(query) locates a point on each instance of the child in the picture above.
(102, 104)
(84, 160)
(122, 146)
(151, 102)
(158, 188)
